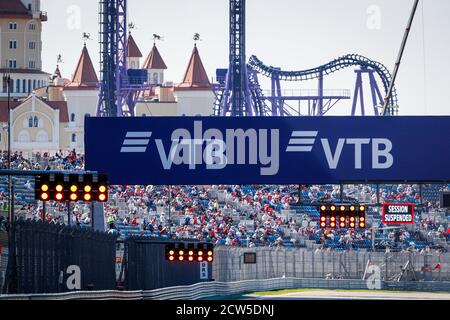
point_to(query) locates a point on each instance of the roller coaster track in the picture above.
(326, 69)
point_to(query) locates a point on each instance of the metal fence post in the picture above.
(303, 263)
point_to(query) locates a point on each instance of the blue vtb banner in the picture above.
(272, 150)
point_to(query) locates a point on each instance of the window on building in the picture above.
(74, 138)
(34, 84)
(24, 86)
(29, 86)
(30, 122)
(31, 26)
(12, 64)
(155, 78)
(18, 85)
(36, 122)
(72, 117)
(13, 44)
(32, 45)
(13, 26)
(32, 65)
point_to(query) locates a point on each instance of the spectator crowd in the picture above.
(228, 215)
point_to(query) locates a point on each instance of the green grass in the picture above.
(283, 292)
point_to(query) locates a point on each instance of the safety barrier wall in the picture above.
(322, 264)
(220, 289)
(49, 256)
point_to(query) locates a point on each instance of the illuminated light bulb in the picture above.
(45, 187)
(59, 188)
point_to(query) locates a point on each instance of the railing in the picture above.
(311, 93)
(221, 289)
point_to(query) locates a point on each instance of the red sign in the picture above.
(398, 213)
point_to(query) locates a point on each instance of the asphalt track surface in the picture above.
(351, 295)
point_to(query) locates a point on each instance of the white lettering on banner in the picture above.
(398, 218)
(381, 148)
(218, 149)
(398, 209)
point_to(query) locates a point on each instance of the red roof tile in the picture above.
(56, 105)
(195, 77)
(84, 76)
(154, 60)
(132, 48)
(12, 7)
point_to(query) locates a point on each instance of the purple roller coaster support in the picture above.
(274, 94)
(321, 93)
(280, 111)
(375, 93)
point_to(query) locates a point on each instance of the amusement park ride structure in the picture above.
(238, 91)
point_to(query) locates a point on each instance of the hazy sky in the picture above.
(291, 34)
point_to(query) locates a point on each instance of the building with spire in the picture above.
(21, 47)
(192, 97)
(134, 54)
(51, 118)
(48, 111)
(155, 66)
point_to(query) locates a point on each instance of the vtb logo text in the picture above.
(217, 150)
